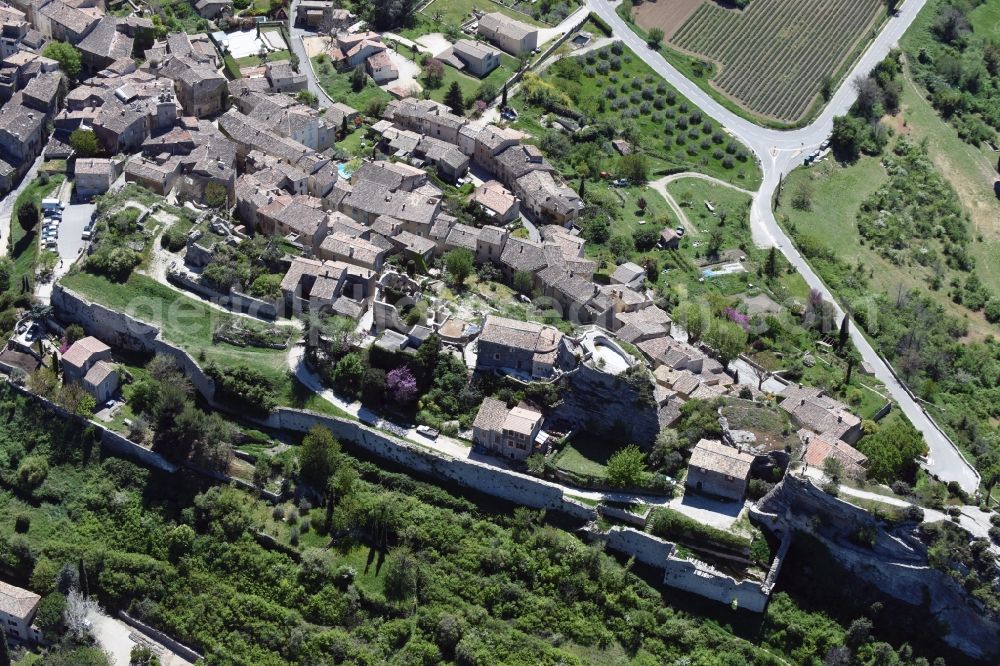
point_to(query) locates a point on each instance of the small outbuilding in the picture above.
(718, 470)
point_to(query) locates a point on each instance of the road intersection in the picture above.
(780, 151)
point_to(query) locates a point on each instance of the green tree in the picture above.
(142, 656)
(460, 264)
(27, 215)
(691, 317)
(84, 142)
(67, 55)
(453, 99)
(621, 246)
(715, 240)
(771, 263)
(359, 79)
(348, 373)
(892, 450)
(74, 332)
(319, 456)
(373, 386)
(727, 339)
(216, 195)
(655, 37)
(634, 167)
(833, 468)
(308, 98)
(852, 358)
(402, 574)
(666, 451)
(626, 468)
(4, 650)
(524, 282)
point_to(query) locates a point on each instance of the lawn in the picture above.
(184, 321)
(443, 16)
(470, 84)
(970, 170)
(338, 86)
(254, 60)
(585, 455)
(23, 245)
(692, 194)
(838, 192)
(189, 323)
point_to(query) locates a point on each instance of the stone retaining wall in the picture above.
(110, 440)
(699, 578)
(646, 548)
(179, 649)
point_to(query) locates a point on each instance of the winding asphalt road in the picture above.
(781, 151)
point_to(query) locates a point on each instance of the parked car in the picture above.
(428, 432)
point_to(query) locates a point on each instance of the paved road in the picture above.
(442, 444)
(976, 522)
(781, 151)
(7, 206)
(305, 63)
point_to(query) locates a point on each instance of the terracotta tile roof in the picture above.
(821, 447)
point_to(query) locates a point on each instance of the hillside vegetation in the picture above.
(389, 571)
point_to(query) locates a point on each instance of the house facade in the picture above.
(718, 470)
(509, 34)
(510, 433)
(18, 608)
(518, 347)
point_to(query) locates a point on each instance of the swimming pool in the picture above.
(342, 170)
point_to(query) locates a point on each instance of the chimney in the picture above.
(802, 402)
(840, 418)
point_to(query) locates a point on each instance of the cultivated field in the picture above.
(775, 55)
(667, 15)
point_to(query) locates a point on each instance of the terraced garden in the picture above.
(775, 56)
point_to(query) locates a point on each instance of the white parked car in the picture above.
(428, 432)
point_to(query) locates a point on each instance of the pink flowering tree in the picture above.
(402, 385)
(738, 318)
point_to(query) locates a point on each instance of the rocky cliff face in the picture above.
(889, 557)
(617, 406)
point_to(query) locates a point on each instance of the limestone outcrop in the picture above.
(889, 557)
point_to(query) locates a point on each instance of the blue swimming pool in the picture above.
(342, 170)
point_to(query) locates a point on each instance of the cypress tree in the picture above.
(844, 332)
(771, 266)
(454, 100)
(4, 651)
